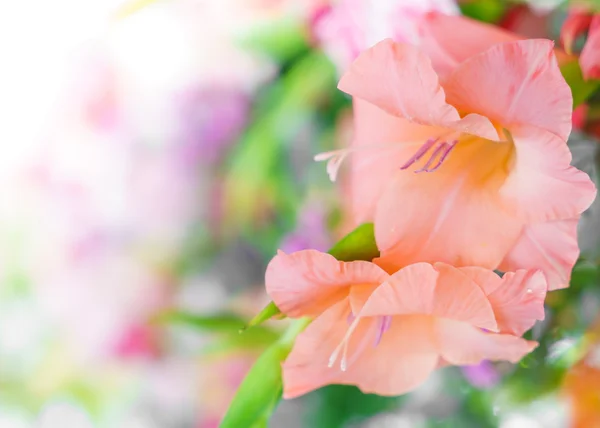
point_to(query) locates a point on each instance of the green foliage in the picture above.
(340, 405)
(357, 245)
(267, 313)
(260, 391)
(485, 10)
(581, 88)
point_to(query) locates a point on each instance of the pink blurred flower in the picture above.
(578, 21)
(311, 231)
(483, 375)
(347, 27)
(211, 118)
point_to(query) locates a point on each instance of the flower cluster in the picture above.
(460, 160)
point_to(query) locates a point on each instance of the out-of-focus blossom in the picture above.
(387, 333)
(483, 375)
(210, 120)
(347, 27)
(526, 22)
(424, 169)
(310, 233)
(576, 24)
(581, 385)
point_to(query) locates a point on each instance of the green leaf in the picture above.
(581, 88)
(252, 187)
(267, 313)
(490, 11)
(357, 245)
(261, 390)
(221, 322)
(281, 39)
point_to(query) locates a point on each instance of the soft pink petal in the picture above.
(306, 367)
(551, 247)
(387, 141)
(441, 291)
(515, 83)
(462, 344)
(402, 360)
(517, 298)
(589, 59)
(450, 40)
(424, 217)
(542, 185)
(576, 23)
(307, 282)
(399, 79)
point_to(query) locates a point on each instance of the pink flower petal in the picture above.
(402, 360)
(589, 59)
(542, 185)
(393, 140)
(463, 344)
(515, 83)
(551, 247)
(307, 282)
(450, 40)
(423, 217)
(576, 24)
(440, 291)
(517, 298)
(399, 79)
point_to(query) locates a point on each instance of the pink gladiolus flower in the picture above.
(576, 24)
(461, 157)
(387, 333)
(348, 27)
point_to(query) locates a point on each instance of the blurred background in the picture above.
(156, 154)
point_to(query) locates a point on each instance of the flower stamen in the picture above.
(420, 153)
(343, 347)
(385, 323)
(440, 153)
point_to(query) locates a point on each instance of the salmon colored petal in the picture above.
(402, 360)
(462, 344)
(307, 282)
(575, 25)
(306, 367)
(551, 247)
(391, 138)
(542, 185)
(440, 290)
(422, 217)
(450, 40)
(589, 59)
(515, 83)
(399, 79)
(517, 298)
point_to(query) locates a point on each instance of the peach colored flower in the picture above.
(468, 166)
(578, 21)
(387, 333)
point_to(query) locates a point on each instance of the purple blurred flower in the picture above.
(483, 375)
(310, 233)
(210, 119)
